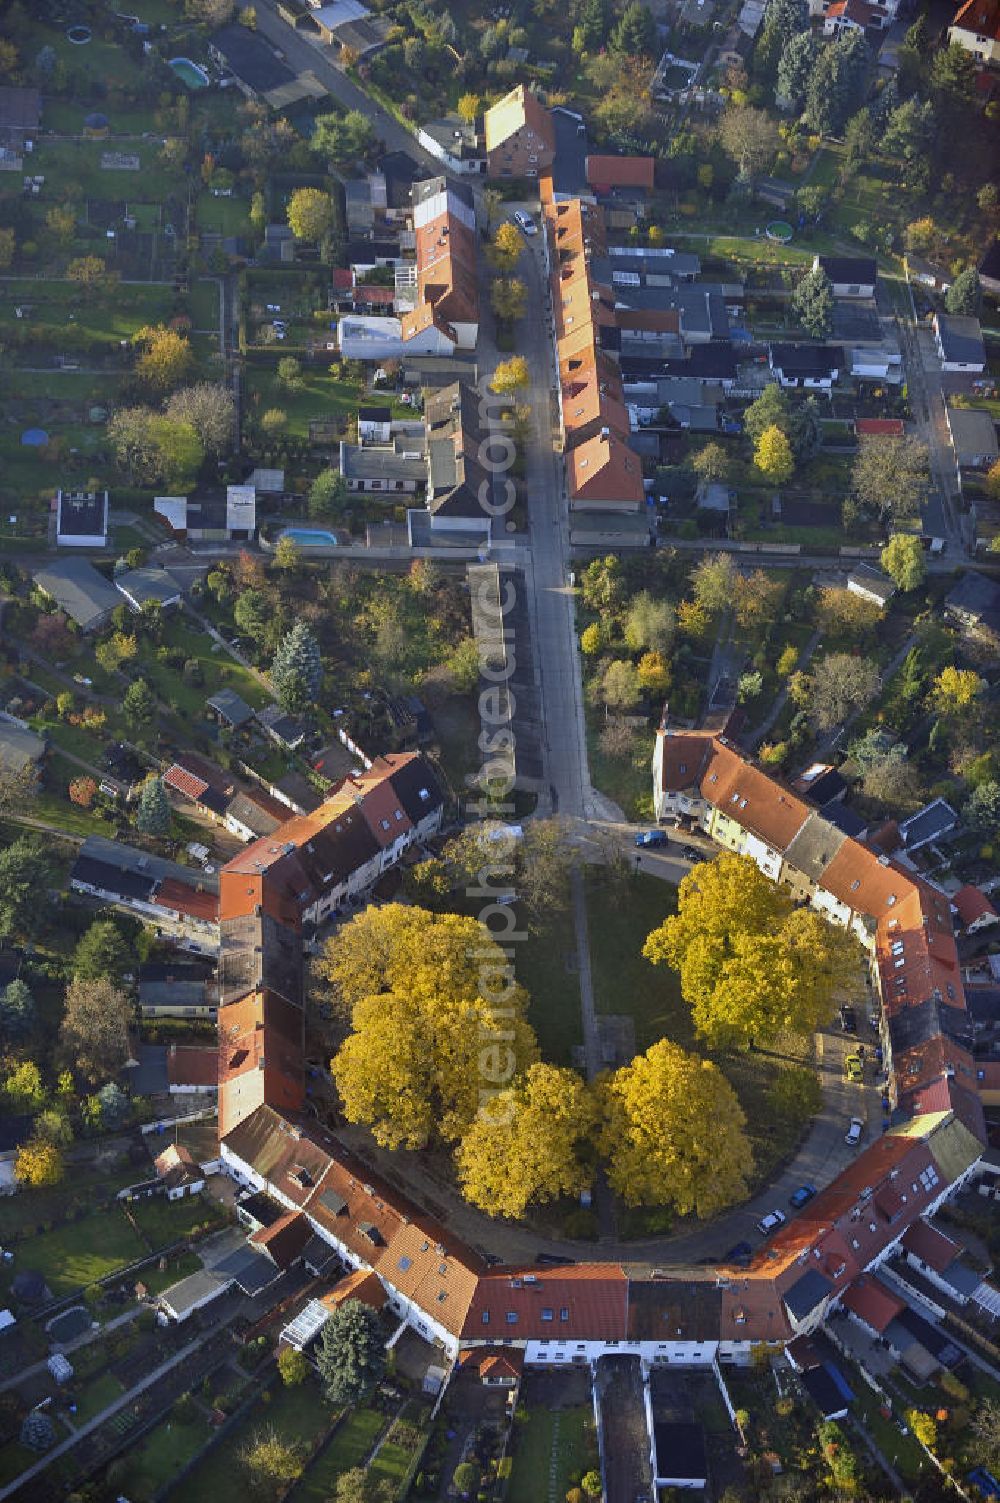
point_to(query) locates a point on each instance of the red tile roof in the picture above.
(980, 17)
(930, 1246)
(180, 898)
(193, 1065)
(585, 1302)
(880, 427)
(284, 1239)
(360, 1285)
(621, 172)
(971, 904)
(872, 1302)
(183, 781)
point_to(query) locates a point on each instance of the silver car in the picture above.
(853, 1137)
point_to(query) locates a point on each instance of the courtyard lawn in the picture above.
(79, 162)
(158, 1458)
(626, 983)
(71, 1257)
(350, 1444)
(549, 1448)
(204, 305)
(295, 1414)
(545, 963)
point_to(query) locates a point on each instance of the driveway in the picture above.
(305, 55)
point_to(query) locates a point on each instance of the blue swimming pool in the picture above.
(310, 537)
(193, 76)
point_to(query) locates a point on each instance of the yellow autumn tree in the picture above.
(437, 1022)
(469, 106)
(673, 1133)
(506, 246)
(511, 375)
(751, 965)
(654, 673)
(529, 1143)
(310, 214)
(166, 358)
(773, 455)
(38, 1163)
(956, 690)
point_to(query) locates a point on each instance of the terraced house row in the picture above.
(572, 1315)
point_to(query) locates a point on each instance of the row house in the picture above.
(180, 901)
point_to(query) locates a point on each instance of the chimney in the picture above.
(605, 434)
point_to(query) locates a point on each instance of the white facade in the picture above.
(360, 337)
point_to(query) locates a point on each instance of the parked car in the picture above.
(770, 1223)
(848, 1020)
(525, 222)
(873, 1021)
(853, 1136)
(553, 1260)
(650, 838)
(854, 1067)
(740, 1254)
(690, 854)
(799, 1197)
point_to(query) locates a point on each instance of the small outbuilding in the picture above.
(81, 519)
(871, 584)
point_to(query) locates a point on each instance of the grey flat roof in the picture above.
(146, 584)
(384, 462)
(973, 429)
(79, 589)
(18, 747)
(189, 1293)
(961, 339)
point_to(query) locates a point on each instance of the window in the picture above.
(486, 1317)
(564, 1313)
(511, 1317)
(547, 1314)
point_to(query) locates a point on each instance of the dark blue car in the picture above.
(799, 1197)
(740, 1254)
(652, 837)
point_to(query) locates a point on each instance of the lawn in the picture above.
(629, 782)
(296, 1414)
(217, 669)
(107, 317)
(348, 1447)
(79, 162)
(158, 1458)
(95, 1396)
(164, 1221)
(71, 1257)
(548, 1449)
(204, 305)
(546, 965)
(319, 396)
(624, 982)
(222, 216)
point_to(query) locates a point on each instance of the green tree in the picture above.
(783, 19)
(297, 669)
(769, 410)
(350, 1353)
(23, 1087)
(102, 951)
(812, 303)
(17, 1012)
(138, 704)
(635, 34)
(904, 561)
(251, 612)
(909, 131)
(26, 877)
(673, 1133)
(271, 1463)
(714, 583)
(328, 495)
(508, 298)
(290, 372)
(465, 1478)
(965, 295)
(650, 623)
(798, 58)
(342, 138)
(287, 554)
(838, 82)
(154, 814)
(986, 1429)
(114, 1106)
(712, 464)
(804, 430)
(620, 688)
(981, 810)
(293, 1366)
